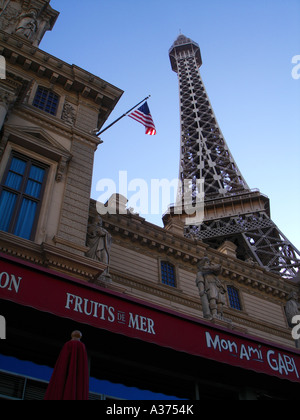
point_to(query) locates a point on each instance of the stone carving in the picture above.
(211, 289)
(27, 24)
(99, 243)
(292, 309)
(61, 169)
(28, 19)
(7, 98)
(68, 114)
(9, 15)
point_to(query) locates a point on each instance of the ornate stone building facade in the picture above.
(48, 111)
(253, 300)
(159, 311)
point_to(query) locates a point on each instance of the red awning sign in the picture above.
(82, 302)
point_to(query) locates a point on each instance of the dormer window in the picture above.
(46, 100)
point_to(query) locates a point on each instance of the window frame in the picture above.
(233, 299)
(43, 109)
(21, 193)
(161, 262)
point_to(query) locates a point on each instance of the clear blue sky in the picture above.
(247, 48)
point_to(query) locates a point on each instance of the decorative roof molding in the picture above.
(135, 229)
(36, 63)
(47, 255)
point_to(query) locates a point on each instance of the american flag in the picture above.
(143, 116)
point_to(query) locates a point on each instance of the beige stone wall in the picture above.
(64, 142)
(131, 263)
(135, 268)
(75, 205)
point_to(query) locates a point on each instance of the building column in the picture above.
(7, 99)
(3, 113)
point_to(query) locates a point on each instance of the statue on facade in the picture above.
(211, 289)
(99, 243)
(292, 309)
(27, 24)
(28, 19)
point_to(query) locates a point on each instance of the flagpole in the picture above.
(124, 115)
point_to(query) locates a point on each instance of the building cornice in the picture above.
(134, 230)
(48, 255)
(34, 61)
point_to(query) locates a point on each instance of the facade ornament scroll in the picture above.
(211, 290)
(99, 242)
(61, 169)
(68, 114)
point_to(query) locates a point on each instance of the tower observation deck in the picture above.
(232, 211)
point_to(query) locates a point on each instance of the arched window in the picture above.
(46, 100)
(234, 298)
(168, 276)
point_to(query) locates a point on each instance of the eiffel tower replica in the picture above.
(232, 211)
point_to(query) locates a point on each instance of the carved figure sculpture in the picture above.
(211, 290)
(27, 24)
(99, 241)
(292, 309)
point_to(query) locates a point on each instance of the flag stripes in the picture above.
(143, 116)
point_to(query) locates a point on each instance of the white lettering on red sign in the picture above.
(90, 308)
(141, 323)
(10, 282)
(278, 362)
(282, 363)
(109, 313)
(242, 351)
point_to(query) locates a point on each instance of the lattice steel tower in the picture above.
(233, 212)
